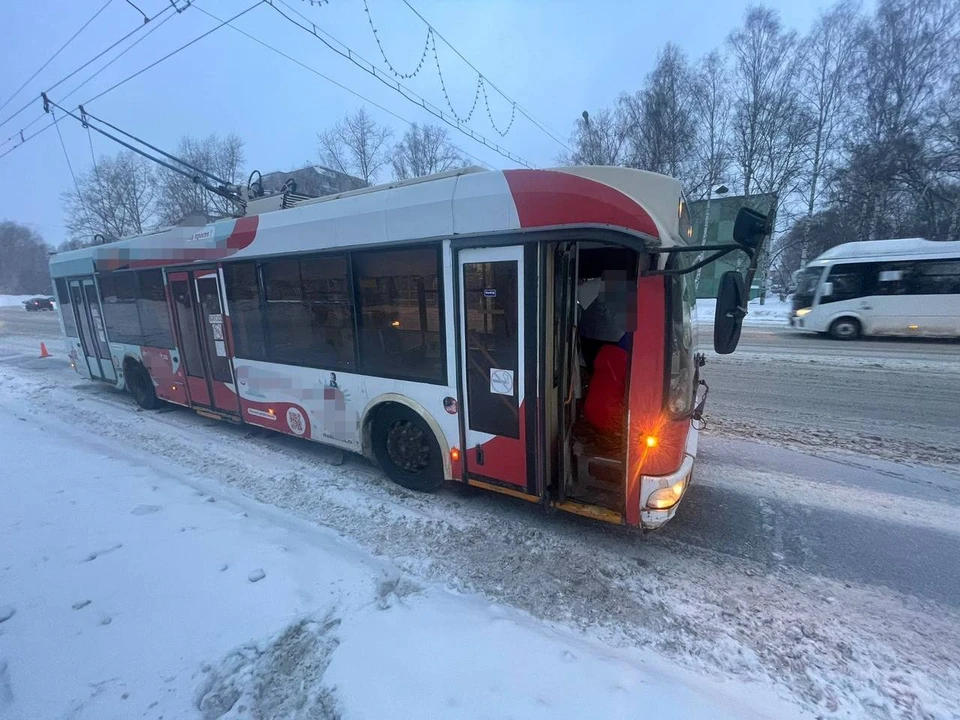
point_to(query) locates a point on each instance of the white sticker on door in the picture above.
(218, 331)
(501, 381)
(214, 318)
(221, 348)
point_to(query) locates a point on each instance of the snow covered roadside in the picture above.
(772, 312)
(148, 590)
(18, 300)
(844, 650)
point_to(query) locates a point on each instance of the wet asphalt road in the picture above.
(825, 508)
(835, 517)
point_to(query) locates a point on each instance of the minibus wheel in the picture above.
(845, 328)
(407, 449)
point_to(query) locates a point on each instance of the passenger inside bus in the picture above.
(606, 306)
(606, 320)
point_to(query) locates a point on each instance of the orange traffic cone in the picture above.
(43, 350)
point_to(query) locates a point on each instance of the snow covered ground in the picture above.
(772, 312)
(17, 300)
(458, 604)
(135, 587)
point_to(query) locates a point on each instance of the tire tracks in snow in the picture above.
(823, 643)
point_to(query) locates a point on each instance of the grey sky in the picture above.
(555, 58)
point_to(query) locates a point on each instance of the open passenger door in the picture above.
(495, 366)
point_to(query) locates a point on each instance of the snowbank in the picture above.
(18, 300)
(772, 312)
(128, 590)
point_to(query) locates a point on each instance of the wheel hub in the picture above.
(407, 447)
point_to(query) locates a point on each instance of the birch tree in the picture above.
(597, 139)
(425, 150)
(829, 57)
(357, 146)
(762, 58)
(660, 126)
(711, 117)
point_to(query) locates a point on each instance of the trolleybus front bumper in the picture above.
(660, 495)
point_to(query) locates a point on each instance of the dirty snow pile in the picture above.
(772, 312)
(139, 588)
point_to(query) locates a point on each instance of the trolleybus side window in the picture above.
(326, 292)
(288, 322)
(118, 290)
(66, 310)
(246, 319)
(309, 316)
(398, 313)
(154, 312)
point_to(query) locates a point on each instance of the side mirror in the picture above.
(749, 228)
(827, 289)
(731, 308)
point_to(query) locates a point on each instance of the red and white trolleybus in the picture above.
(524, 331)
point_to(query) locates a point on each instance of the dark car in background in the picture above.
(38, 303)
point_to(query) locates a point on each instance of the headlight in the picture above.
(666, 498)
(802, 311)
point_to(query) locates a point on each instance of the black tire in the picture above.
(140, 386)
(407, 449)
(845, 328)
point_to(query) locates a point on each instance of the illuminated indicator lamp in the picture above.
(913, 327)
(395, 323)
(455, 454)
(270, 410)
(451, 405)
(666, 498)
(651, 441)
(173, 387)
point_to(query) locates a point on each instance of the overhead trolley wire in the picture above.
(523, 111)
(131, 46)
(86, 64)
(394, 85)
(85, 120)
(135, 74)
(333, 82)
(483, 82)
(174, 52)
(54, 56)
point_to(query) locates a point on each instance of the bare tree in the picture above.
(425, 150)
(762, 60)
(711, 118)
(117, 198)
(829, 56)
(356, 145)
(179, 196)
(946, 149)
(24, 268)
(909, 48)
(660, 126)
(771, 127)
(598, 139)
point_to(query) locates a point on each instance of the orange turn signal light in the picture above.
(455, 454)
(651, 441)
